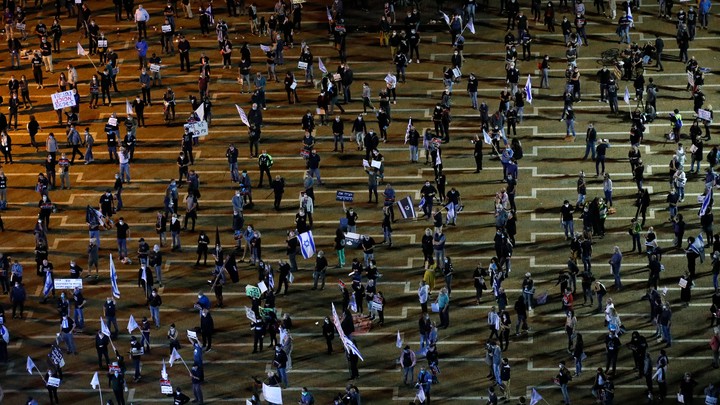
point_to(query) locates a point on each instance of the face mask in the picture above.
(121, 222)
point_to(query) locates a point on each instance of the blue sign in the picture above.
(345, 196)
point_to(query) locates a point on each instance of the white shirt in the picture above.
(423, 293)
(141, 15)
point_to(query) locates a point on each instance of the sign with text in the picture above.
(252, 291)
(67, 283)
(63, 99)
(166, 387)
(154, 67)
(199, 128)
(704, 115)
(345, 196)
(56, 356)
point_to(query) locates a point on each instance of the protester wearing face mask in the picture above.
(46, 209)
(109, 310)
(123, 234)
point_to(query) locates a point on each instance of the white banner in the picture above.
(704, 115)
(63, 99)
(198, 128)
(53, 382)
(154, 67)
(67, 283)
(272, 394)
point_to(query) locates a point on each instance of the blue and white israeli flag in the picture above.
(307, 244)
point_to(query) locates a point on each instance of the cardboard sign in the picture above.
(293, 86)
(166, 28)
(192, 335)
(250, 314)
(704, 115)
(199, 128)
(63, 99)
(376, 164)
(112, 121)
(53, 382)
(456, 72)
(252, 291)
(352, 239)
(102, 43)
(112, 369)
(376, 306)
(67, 283)
(154, 68)
(261, 285)
(302, 65)
(336, 77)
(20, 26)
(56, 356)
(346, 196)
(166, 387)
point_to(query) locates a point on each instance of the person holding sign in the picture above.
(52, 383)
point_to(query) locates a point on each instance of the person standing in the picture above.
(443, 303)
(265, 162)
(207, 328)
(615, 262)
(563, 378)
(101, 347)
(123, 234)
(141, 19)
(407, 363)
(280, 362)
(196, 374)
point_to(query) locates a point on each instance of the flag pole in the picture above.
(100, 392)
(91, 61)
(186, 366)
(40, 372)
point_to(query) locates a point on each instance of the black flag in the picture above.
(406, 207)
(231, 267)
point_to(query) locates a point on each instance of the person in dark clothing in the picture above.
(207, 328)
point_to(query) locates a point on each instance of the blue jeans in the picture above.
(122, 247)
(681, 192)
(96, 236)
(616, 275)
(473, 99)
(625, 35)
(589, 147)
(496, 372)
(368, 257)
(176, 239)
(673, 211)
(118, 195)
(570, 127)
(666, 333)
(578, 366)
(569, 227)
(234, 171)
(315, 173)
(424, 341)
(282, 372)
(408, 371)
(79, 318)
(125, 171)
(69, 342)
(413, 153)
(158, 274)
(715, 281)
(545, 81)
(608, 197)
(155, 313)
(599, 300)
(564, 391)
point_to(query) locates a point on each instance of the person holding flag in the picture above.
(101, 345)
